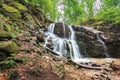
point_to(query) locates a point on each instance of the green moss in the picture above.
(20, 7)
(8, 47)
(30, 20)
(1, 2)
(4, 34)
(10, 12)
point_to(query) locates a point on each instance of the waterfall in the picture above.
(66, 46)
(104, 45)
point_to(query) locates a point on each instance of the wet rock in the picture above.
(89, 44)
(41, 37)
(61, 30)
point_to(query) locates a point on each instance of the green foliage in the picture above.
(7, 64)
(74, 11)
(49, 7)
(110, 15)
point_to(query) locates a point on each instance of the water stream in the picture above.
(67, 45)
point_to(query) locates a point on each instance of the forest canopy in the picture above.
(77, 11)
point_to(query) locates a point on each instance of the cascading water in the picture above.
(66, 47)
(104, 45)
(99, 38)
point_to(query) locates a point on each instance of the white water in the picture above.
(66, 47)
(104, 46)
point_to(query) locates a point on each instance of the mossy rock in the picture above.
(4, 34)
(58, 69)
(1, 2)
(2, 56)
(30, 21)
(20, 7)
(10, 12)
(8, 47)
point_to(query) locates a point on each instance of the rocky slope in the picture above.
(23, 58)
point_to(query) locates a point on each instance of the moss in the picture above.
(4, 34)
(20, 7)
(1, 2)
(8, 47)
(10, 12)
(30, 20)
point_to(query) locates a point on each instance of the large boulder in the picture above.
(10, 12)
(61, 30)
(8, 47)
(89, 44)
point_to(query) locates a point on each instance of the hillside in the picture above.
(23, 57)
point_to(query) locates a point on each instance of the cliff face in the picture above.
(111, 34)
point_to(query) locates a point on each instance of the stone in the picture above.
(88, 42)
(41, 37)
(60, 31)
(10, 12)
(13, 75)
(8, 47)
(20, 7)
(2, 56)
(1, 2)
(4, 34)
(58, 68)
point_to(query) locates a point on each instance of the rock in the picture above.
(30, 21)
(87, 39)
(60, 31)
(1, 2)
(4, 34)
(2, 56)
(8, 2)
(10, 12)
(8, 47)
(20, 7)
(58, 69)
(41, 37)
(13, 75)
(115, 66)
